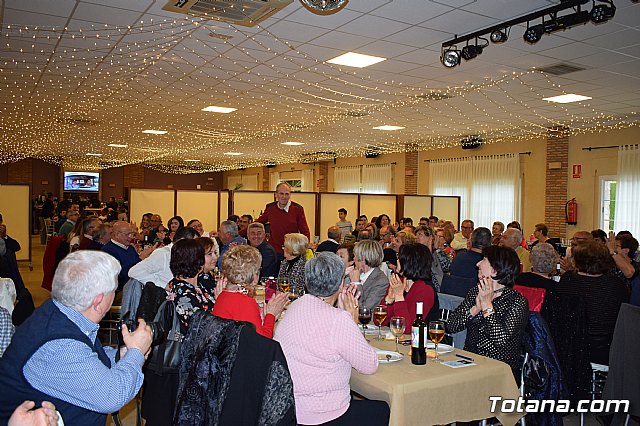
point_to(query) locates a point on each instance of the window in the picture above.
(607, 203)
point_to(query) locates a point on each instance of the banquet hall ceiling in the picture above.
(79, 75)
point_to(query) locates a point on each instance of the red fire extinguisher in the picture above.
(571, 212)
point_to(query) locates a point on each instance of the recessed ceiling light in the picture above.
(292, 143)
(155, 132)
(192, 160)
(568, 98)
(94, 154)
(223, 110)
(357, 60)
(388, 128)
(232, 153)
(118, 145)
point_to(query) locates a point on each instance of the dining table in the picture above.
(434, 393)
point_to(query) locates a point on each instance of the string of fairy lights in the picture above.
(66, 94)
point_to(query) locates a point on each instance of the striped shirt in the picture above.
(70, 370)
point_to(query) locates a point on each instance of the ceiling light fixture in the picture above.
(233, 153)
(389, 128)
(222, 110)
(94, 154)
(499, 36)
(602, 12)
(155, 132)
(117, 145)
(551, 22)
(192, 160)
(292, 143)
(450, 57)
(568, 98)
(324, 7)
(356, 60)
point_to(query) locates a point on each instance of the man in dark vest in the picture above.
(56, 356)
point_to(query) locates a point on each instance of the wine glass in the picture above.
(436, 334)
(284, 284)
(294, 293)
(364, 316)
(379, 315)
(397, 326)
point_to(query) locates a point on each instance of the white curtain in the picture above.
(627, 215)
(233, 181)
(495, 190)
(489, 187)
(346, 179)
(274, 179)
(308, 183)
(376, 179)
(451, 177)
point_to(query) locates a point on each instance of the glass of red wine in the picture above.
(364, 316)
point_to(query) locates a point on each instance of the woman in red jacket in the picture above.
(241, 269)
(412, 284)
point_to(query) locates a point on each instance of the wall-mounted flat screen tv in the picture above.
(82, 181)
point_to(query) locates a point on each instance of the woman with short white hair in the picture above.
(368, 256)
(292, 267)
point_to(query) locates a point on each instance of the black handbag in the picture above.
(165, 357)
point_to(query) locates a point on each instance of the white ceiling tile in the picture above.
(411, 15)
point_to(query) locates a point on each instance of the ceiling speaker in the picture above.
(472, 142)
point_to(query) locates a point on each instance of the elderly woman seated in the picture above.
(494, 314)
(241, 269)
(533, 285)
(292, 266)
(322, 343)
(602, 293)
(367, 258)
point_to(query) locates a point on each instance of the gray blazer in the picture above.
(374, 289)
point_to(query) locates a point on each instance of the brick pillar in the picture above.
(323, 176)
(411, 170)
(556, 185)
(266, 186)
(133, 176)
(21, 171)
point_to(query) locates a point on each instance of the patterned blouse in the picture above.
(189, 299)
(294, 271)
(497, 336)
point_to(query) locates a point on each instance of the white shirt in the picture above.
(122, 246)
(285, 208)
(365, 275)
(154, 268)
(459, 242)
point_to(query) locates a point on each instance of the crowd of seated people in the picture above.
(379, 262)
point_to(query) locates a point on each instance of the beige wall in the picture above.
(595, 164)
(532, 172)
(287, 171)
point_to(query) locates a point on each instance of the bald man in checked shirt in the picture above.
(55, 354)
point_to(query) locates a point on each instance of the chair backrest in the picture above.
(448, 303)
(623, 380)
(457, 286)
(534, 296)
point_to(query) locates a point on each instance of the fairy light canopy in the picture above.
(80, 85)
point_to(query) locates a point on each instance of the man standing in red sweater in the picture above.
(284, 217)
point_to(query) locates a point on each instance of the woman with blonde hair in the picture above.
(241, 270)
(292, 267)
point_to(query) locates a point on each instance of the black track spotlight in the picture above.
(498, 36)
(470, 51)
(450, 58)
(534, 33)
(602, 12)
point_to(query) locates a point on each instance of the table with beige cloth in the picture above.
(436, 394)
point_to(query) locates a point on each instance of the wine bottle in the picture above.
(418, 351)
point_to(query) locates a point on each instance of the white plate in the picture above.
(442, 348)
(372, 329)
(382, 356)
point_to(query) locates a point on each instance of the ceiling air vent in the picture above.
(434, 95)
(239, 12)
(561, 69)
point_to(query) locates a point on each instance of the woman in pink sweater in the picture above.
(322, 343)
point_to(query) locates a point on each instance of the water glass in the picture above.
(397, 326)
